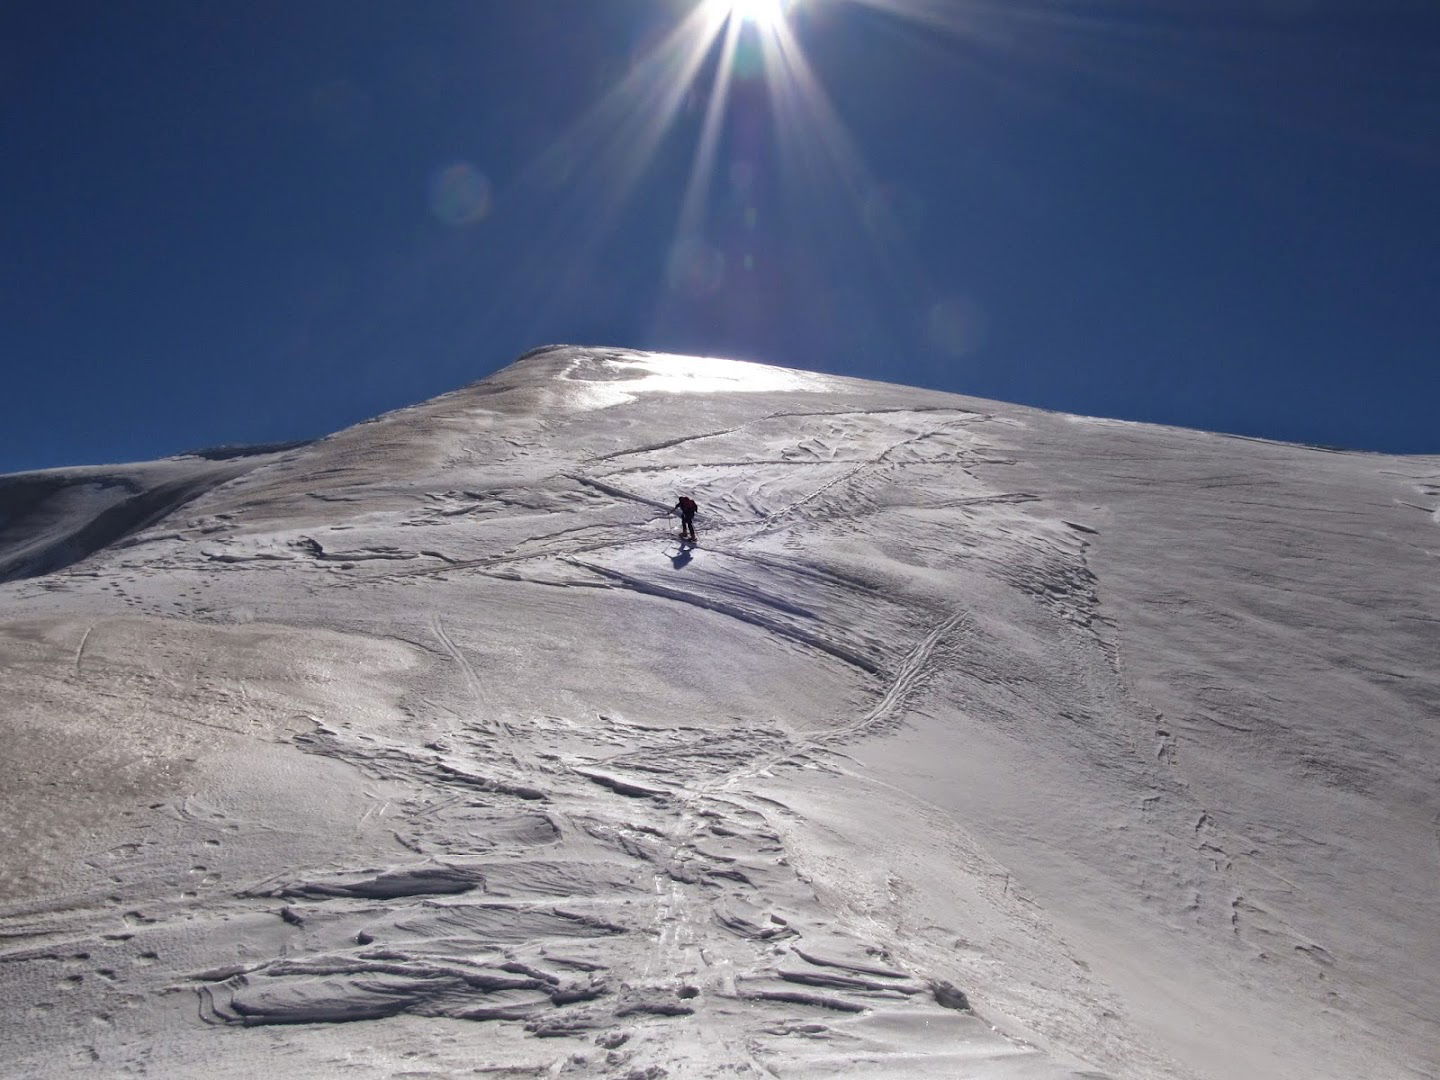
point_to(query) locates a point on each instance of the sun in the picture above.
(765, 14)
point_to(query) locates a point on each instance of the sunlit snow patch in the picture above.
(614, 381)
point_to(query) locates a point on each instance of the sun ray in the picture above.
(765, 14)
(698, 189)
(618, 140)
(611, 145)
(626, 126)
(819, 153)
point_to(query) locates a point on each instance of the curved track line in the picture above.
(910, 671)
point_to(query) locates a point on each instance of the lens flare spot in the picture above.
(695, 268)
(460, 194)
(957, 326)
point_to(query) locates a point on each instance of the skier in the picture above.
(687, 509)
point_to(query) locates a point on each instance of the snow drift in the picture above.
(972, 740)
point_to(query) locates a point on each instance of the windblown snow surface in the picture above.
(972, 741)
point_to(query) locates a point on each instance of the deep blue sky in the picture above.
(267, 220)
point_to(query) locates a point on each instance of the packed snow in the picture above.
(971, 740)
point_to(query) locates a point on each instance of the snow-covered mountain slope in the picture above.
(56, 517)
(971, 740)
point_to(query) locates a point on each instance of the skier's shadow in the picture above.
(681, 559)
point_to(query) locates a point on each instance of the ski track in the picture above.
(781, 629)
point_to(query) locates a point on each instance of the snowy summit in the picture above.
(967, 740)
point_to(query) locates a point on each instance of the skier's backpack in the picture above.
(687, 505)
